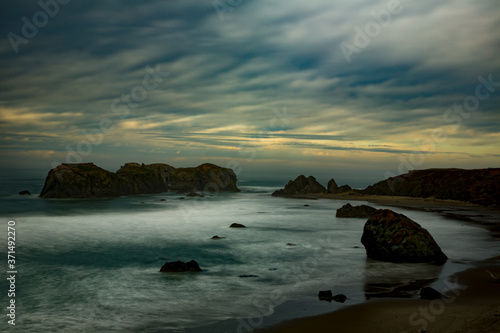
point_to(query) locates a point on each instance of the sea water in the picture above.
(93, 265)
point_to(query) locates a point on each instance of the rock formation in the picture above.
(388, 236)
(86, 180)
(180, 266)
(25, 192)
(301, 185)
(479, 186)
(237, 225)
(362, 211)
(333, 188)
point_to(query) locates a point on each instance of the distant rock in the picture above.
(301, 185)
(237, 225)
(25, 192)
(389, 236)
(86, 180)
(478, 186)
(362, 211)
(248, 276)
(333, 188)
(180, 266)
(217, 237)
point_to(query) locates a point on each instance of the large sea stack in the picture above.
(389, 236)
(86, 180)
(479, 186)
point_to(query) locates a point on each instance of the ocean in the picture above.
(93, 265)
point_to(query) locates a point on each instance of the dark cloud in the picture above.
(230, 76)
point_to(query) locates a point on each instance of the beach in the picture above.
(472, 302)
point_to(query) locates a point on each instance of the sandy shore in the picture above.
(473, 307)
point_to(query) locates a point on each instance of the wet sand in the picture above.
(472, 307)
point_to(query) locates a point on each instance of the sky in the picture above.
(354, 90)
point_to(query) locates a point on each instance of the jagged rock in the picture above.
(237, 225)
(430, 294)
(333, 188)
(388, 236)
(478, 186)
(180, 266)
(301, 185)
(362, 211)
(25, 192)
(86, 180)
(325, 295)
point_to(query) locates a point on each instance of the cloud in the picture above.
(229, 78)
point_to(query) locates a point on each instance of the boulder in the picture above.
(237, 225)
(339, 298)
(25, 192)
(430, 294)
(362, 211)
(393, 237)
(180, 266)
(325, 295)
(301, 185)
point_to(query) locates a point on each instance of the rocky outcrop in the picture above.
(362, 211)
(25, 192)
(86, 180)
(388, 236)
(237, 225)
(180, 266)
(301, 185)
(479, 186)
(333, 188)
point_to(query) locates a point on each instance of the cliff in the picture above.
(86, 180)
(479, 186)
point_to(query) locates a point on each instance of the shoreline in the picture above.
(473, 304)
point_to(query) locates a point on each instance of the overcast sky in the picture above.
(345, 89)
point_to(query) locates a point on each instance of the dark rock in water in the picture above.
(237, 225)
(179, 266)
(195, 195)
(301, 185)
(306, 205)
(325, 295)
(430, 294)
(25, 192)
(163, 200)
(333, 188)
(340, 298)
(479, 186)
(291, 244)
(362, 211)
(86, 180)
(217, 237)
(388, 236)
(248, 276)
